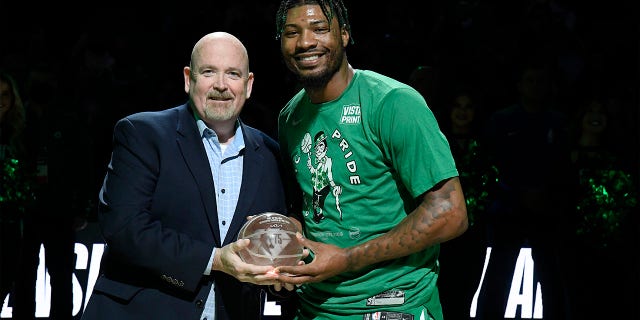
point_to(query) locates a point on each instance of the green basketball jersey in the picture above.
(361, 161)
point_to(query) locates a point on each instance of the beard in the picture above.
(316, 80)
(321, 78)
(217, 113)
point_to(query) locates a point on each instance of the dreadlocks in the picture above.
(329, 8)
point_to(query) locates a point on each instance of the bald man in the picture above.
(180, 184)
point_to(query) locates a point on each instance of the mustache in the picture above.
(219, 96)
(309, 51)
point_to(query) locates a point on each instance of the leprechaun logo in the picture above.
(321, 174)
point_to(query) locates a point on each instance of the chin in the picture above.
(315, 79)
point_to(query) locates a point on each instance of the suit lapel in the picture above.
(190, 144)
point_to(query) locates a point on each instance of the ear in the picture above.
(249, 85)
(344, 33)
(187, 79)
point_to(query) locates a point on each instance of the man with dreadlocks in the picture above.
(374, 253)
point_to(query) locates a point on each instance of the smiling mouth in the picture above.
(217, 98)
(309, 58)
(218, 103)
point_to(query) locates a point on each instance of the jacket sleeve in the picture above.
(154, 240)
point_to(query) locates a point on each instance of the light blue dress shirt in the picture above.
(226, 169)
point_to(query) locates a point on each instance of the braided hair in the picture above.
(329, 8)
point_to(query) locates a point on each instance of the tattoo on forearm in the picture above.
(410, 235)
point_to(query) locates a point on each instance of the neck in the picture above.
(534, 106)
(460, 130)
(590, 140)
(224, 130)
(334, 88)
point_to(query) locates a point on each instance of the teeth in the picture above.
(309, 58)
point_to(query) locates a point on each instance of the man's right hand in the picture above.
(227, 260)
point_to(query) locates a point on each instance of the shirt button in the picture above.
(224, 222)
(223, 190)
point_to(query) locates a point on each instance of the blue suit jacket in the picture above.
(158, 218)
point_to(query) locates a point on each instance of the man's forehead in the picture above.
(308, 11)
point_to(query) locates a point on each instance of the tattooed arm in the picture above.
(441, 216)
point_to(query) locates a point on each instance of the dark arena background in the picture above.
(102, 61)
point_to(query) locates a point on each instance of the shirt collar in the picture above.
(238, 139)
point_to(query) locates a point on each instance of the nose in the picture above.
(220, 82)
(307, 39)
